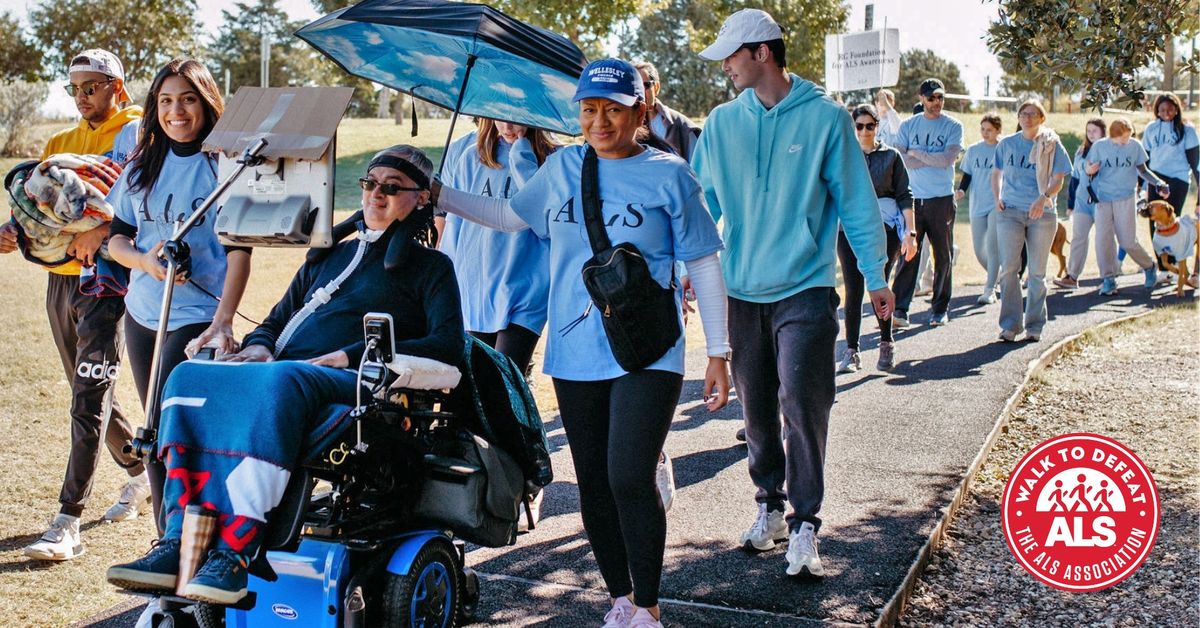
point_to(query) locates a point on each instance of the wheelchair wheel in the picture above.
(428, 597)
(208, 615)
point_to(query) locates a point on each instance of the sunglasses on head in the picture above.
(89, 88)
(869, 126)
(388, 189)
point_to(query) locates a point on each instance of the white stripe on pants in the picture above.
(1117, 218)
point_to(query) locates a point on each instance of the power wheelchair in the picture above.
(344, 547)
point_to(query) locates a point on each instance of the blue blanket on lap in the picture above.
(277, 412)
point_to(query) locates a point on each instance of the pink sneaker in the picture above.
(643, 619)
(619, 615)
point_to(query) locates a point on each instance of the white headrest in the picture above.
(423, 373)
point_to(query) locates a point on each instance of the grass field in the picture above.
(34, 397)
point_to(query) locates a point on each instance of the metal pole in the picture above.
(143, 444)
(264, 68)
(462, 91)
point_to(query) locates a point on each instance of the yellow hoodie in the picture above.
(85, 140)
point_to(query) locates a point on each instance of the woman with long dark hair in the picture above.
(166, 179)
(1081, 208)
(890, 179)
(1174, 150)
(617, 420)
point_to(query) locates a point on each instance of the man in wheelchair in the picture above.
(232, 431)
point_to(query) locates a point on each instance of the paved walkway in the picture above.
(899, 443)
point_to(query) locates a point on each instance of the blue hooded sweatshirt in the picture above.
(781, 178)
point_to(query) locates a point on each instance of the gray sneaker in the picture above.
(850, 362)
(887, 356)
(899, 321)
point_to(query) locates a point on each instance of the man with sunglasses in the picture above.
(86, 329)
(780, 167)
(930, 144)
(675, 128)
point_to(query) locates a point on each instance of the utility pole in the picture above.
(264, 70)
(869, 17)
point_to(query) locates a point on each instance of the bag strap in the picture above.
(590, 188)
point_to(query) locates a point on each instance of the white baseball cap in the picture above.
(744, 27)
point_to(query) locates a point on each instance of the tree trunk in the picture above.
(398, 107)
(381, 111)
(1169, 65)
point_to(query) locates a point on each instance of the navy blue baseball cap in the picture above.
(613, 79)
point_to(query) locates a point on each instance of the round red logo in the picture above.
(1080, 512)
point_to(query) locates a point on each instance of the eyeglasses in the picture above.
(388, 189)
(89, 88)
(647, 84)
(1028, 114)
(869, 126)
(936, 97)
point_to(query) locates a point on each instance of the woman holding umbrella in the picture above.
(617, 420)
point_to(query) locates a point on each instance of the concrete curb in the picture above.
(889, 615)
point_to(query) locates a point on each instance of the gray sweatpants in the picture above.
(783, 361)
(87, 332)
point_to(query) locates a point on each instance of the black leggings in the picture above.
(514, 341)
(139, 341)
(616, 429)
(854, 287)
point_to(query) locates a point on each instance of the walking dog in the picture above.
(1173, 237)
(1056, 247)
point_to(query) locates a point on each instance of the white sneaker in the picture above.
(535, 508)
(619, 615)
(664, 479)
(802, 555)
(768, 528)
(134, 495)
(60, 542)
(850, 362)
(643, 619)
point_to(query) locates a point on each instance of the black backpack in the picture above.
(640, 317)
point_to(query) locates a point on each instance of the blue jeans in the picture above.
(783, 361)
(1014, 230)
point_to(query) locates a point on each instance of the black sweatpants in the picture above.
(87, 333)
(140, 344)
(616, 429)
(934, 219)
(854, 286)
(514, 341)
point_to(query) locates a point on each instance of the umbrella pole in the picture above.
(462, 91)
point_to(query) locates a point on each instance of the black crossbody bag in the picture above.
(640, 317)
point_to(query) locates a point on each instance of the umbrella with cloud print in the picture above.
(468, 58)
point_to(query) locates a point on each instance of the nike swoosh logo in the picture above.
(794, 148)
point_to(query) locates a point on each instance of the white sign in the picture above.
(862, 60)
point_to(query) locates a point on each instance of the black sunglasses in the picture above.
(648, 84)
(89, 88)
(388, 189)
(870, 126)
(936, 97)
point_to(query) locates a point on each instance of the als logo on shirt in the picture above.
(928, 141)
(983, 163)
(505, 192)
(1019, 161)
(1117, 162)
(166, 216)
(632, 217)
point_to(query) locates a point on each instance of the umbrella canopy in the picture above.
(468, 58)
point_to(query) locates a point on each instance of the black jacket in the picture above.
(416, 286)
(889, 175)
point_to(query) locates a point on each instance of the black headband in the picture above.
(403, 165)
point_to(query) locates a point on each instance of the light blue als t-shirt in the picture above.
(182, 186)
(125, 142)
(979, 162)
(1082, 202)
(503, 277)
(1168, 151)
(931, 136)
(1118, 175)
(651, 200)
(1019, 188)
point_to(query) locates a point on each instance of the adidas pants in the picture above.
(87, 332)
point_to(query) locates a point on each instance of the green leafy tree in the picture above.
(672, 36)
(144, 34)
(1017, 81)
(237, 47)
(585, 22)
(366, 94)
(20, 60)
(1091, 46)
(918, 65)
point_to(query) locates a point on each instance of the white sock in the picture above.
(143, 479)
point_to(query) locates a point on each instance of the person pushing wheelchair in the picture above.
(228, 447)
